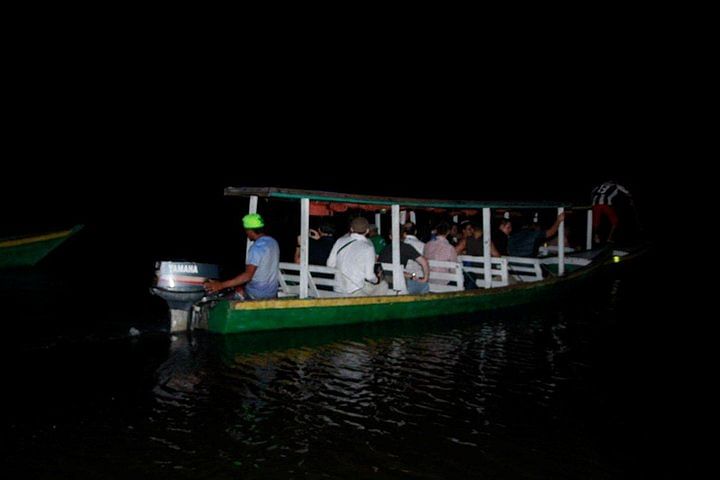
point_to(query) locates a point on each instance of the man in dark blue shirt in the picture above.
(526, 242)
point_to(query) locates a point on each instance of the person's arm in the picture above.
(494, 252)
(297, 250)
(212, 286)
(550, 232)
(332, 258)
(425, 268)
(461, 246)
(623, 189)
(627, 194)
(453, 255)
(369, 266)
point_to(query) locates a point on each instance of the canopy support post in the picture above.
(251, 209)
(487, 234)
(589, 239)
(395, 232)
(561, 244)
(304, 246)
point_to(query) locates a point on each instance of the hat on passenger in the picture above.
(253, 220)
(359, 225)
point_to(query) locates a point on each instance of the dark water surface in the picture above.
(579, 387)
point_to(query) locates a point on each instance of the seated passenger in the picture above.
(454, 235)
(354, 257)
(415, 284)
(377, 240)
(471, 242)
(320, 245)
(500, 239)
(526, 242)
(409, 232)
(440, 249)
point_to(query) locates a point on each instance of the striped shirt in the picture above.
(605, 194)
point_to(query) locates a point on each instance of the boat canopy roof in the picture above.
(332, 197)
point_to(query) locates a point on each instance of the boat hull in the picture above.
(237, 317)
(28, 251)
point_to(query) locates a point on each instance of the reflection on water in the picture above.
(516, 393)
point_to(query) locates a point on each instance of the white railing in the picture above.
(322, 280)
(290, 280)
(498, 270)
(525, 269)
(402, 287)
(450, 281)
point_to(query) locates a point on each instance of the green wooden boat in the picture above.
(502, 282)
(288, 313)
(285, 313)
(26, 251)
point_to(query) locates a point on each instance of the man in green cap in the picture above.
(260, 278)
(377, 240)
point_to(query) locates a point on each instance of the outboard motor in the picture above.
(180, 284)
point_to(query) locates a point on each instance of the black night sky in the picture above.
(121, 131)
(96, 165)
(108, 129)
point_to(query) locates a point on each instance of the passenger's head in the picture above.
(528, 221)
(442, 229)
(505, 226)
(254, 225)
(409, 228)
(372, 230)
(467, 229)
(326, 229)
(360, 225)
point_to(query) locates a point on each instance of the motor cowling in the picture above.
(180, 284)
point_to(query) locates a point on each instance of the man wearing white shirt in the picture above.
(354, 257)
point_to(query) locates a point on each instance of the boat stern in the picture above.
(180, 284)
